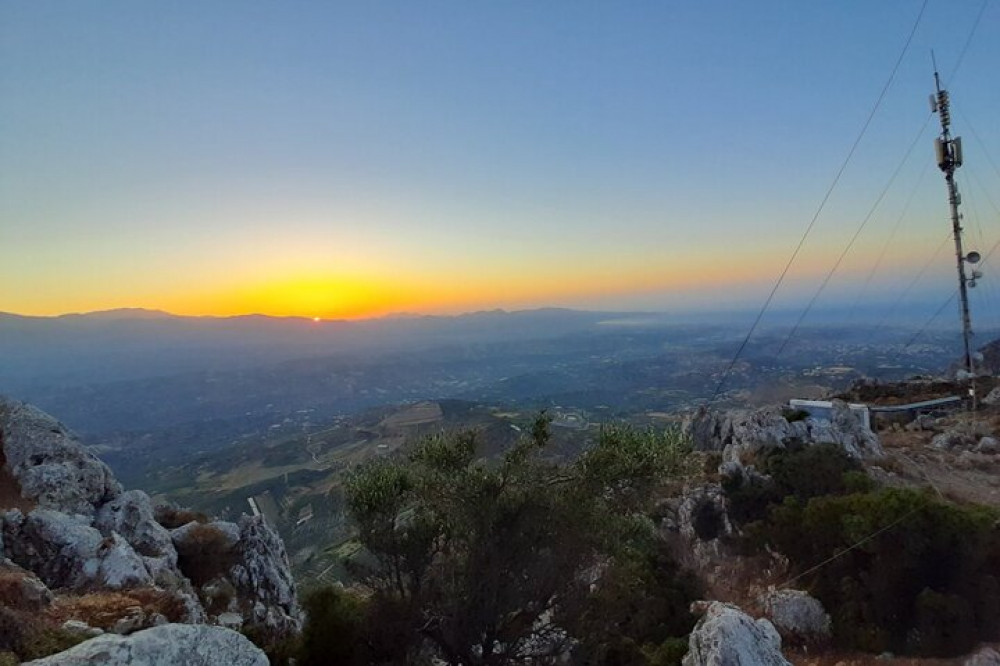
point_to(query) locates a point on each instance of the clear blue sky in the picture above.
(345, 159)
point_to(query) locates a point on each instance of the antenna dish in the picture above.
(972, 284)
(976, 275)
(973, 257)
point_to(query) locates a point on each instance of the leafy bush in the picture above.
(204, 554)
(333, 629)
(792, 415)
(805, 471)
(670, 652)
(798, 471)
(911, 574)
(472, 557)
(638, 613)
(281, 648)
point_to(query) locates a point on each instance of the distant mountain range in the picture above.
(126, 344)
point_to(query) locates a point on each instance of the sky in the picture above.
(355, 159)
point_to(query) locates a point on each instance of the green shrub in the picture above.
(333, 630)
(281, 648)
(806, 471)
(467, 556)
(27, 638)
(669, 653)
(792, 415)
(800, 471)
(637, 613)
(911, 574)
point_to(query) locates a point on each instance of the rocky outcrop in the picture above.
(78, 531)
(66, 552)
(263, 579)
(52, 468)
(726, 636)
(131, 516)
(740, 435)
(797, 616)
(697, 523)
(166, 645)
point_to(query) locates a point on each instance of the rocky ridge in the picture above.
(739, 435)
(69, 531)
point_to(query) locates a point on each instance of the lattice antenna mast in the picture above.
(948, 152)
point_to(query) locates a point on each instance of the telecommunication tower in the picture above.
(948, 152)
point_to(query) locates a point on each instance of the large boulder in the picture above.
(846, 431)
(166, 645)
(990, 445)
(66, 552)
(53, 469)
(952, 439)
(741, 435)
(726, 636)
(796, 615)
(993, 397)
(131, 516)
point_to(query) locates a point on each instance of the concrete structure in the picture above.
(823, 410)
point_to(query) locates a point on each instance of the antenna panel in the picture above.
(941, 153)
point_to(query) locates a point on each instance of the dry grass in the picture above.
(12, 590)
(172, 517)
(419, 414)
(205, 554)
(103, 609)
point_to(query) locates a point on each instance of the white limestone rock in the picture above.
(81, 627)
(726, 636)
(740, 435)
(263, 578)
(52, 467)
(988, 445)
(65, 552)
(131, 516)
(847, 432)
(986, 656)
(952, 439)
(796, 615)
(993, 397)
(166, 645)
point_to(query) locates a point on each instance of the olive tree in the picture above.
(483, 556)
